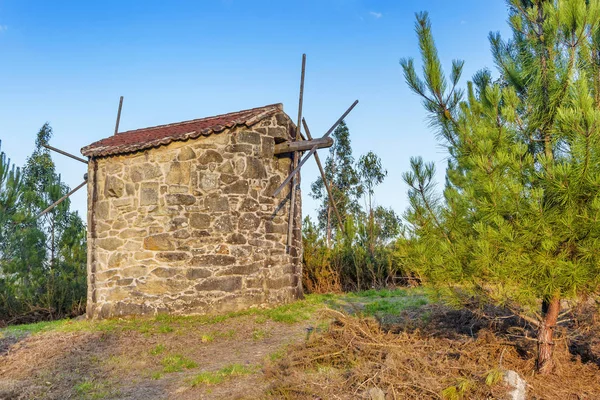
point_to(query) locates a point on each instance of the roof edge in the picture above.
(94, 150)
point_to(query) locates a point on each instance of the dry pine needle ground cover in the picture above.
(392, 343)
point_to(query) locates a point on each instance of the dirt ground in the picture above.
(129, 365)
(395, 345)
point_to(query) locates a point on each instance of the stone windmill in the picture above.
(200, 215)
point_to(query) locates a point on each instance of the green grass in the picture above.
(177, 363)
(164, 323)
(259, 334)
(158, 349)
(395, 306)
(377, 301)
(216, 377)
(91, 390)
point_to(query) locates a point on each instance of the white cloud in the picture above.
(3, 28)
(463, 22)
(376, 14)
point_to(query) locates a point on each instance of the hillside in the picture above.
(321, 347)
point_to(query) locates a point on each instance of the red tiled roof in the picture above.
(140, 139)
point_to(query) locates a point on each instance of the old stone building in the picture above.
(181, 217)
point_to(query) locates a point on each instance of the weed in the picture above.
(207, 338)
(165, 328)
(156, 376)
(493, 376)
(91, 390)
(158, 349)
(216, 377)
(177, 363)
(259, 334)
(278, 355)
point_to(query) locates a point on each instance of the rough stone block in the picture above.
(213, 260)
(172, 256)
(110, 243)
(198, 273)
(240, 270)
(255, 169)
(208, 181)
(228, 179)
(239, 187)
(217, 203)
(223, 284)
(180, 199)
(149, 193)
(186, 153)
(210, 156)
(224, 224)
(179, 173)
(248, 137)
(248, 221)
(236, 238)
(162, 272)
(159, 242)
(200, 221)
(113, 187)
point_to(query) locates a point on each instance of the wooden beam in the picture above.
(324, 178)
(297, 133)
(312, 151)
(64, 153)
(119, 115)
(62, 199)
(289, 147)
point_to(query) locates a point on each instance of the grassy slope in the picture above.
(291, 351)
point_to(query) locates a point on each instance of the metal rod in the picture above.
(324, 178)
(297, 133)
(312, 151)
(64, 153)
(62, 199)
(119, 115)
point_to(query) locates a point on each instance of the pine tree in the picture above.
(344, 181)
(519, 219)
(60, 280)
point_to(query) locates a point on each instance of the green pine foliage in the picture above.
(42, 259)
(518, 221)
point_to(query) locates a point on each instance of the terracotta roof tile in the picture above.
(140, 139)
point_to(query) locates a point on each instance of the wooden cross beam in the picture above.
(66, 196)
(303, 145)
(312, 151)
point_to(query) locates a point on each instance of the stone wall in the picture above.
(192, 227)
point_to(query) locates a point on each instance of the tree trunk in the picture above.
(550, 310)
(329, 227)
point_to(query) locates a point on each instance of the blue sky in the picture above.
(68, 62)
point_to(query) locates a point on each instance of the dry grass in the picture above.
(356, 354)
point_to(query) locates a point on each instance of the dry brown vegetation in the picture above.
(451, 356)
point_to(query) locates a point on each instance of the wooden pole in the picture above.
(62, 199)
(64, 153)
(119, 115)
(324, 178)
(295, 157)
(312, 151)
